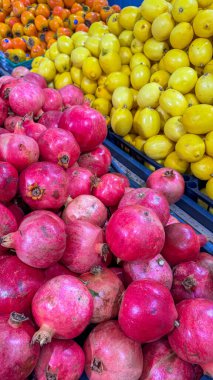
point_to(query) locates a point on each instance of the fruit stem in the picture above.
(97, 365)
(43, 336)
(189, 283)
(102, 250)
(96, 269)
(8, 240)
(16, 319)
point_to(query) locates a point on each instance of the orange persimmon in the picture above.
(18, 8)
(30, 30)
(6, 43)
(43, 10)
(11, 20)
(17, 30)
(49, 35)
(82, 28)
(63, 32)
(5, 30)
(98, 4)
(37, 51)
(92, 17)
(76, 7)
(50, 42)
(74, 21)
(116, 8)
(19, 43)
(54, 3)
(27, 18)
(105, 12)
(55, 22)
(69, 3)
(41, 23)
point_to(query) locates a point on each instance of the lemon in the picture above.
(155, 50)
(209, 188)
(98, 28)
(47, 54)
(161, 77)
(102, 80)
(116, 79)
(203, 169)
(88, 86)
(113, 24)
(209, 67)
(91, 68)
(173, 102)
(184, 10)
(129, 16)
(121, 121)
(190, 148)
(62, 63)
(209, 143)
(47, 70)
(36, 62)
(34, 70)
(102, 92)
(203, 24)
(81, 40)
(154, 68)
(139, 59)
(181, 35)
(93, 45)
(161, 64)
(198, 119)
(149, 95)
(139, 76)
(162, 26)
(200, 52)
(174, 162)
(191, 99)
(135, 95)
(136, 46)
(150, 9)
(174, 59)
(65, 44)
(139, 143)
(125, 69)
(164, 116)
(76, 75)
(53, 51)
(110, 61)
(174, 128)
(126, 37)
(142, 30)
(102, 105)
(183, 79)
(62, 80)
(125, 54)
(130, 138)
(89, 98)
(147, 122)
(109, 42)
(78, 35)
(78, 55)
(204, 89)
(122, 97)
(158, 147)
(204, 3)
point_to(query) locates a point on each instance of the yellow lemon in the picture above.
(116, 79)
(200, 52)
(204, 89)
(164, 116)
(91, 68)
(184, 10)
(155, 50)
(191, 99)
(121, 121)
(209, 143)
(142, 30)
(36, 62)
(78, 55)
(76, 75)
(125, 54)
(136, 46)
(122, 97)
(190, 148)
(77, 35)
(81, 40)
(161, 77)
(203, 169)
(162, 26)
(102, 92)
(89, 98)
(62, 80)
(139, 143)
(173, 102)
(150, 9)
(209, 188)
(139, 76)
(62, 63)
(174, 162)
(203, 24)
(88, 86)
(130, 138)
(198, 119)
(174, 59)
(98, 28)
(209, 67)
(129, 16)
(174, 128)
(47, 70)
(204, 3)
(93, 45)
(102, 105)
(113, 24)
(181, 35)
(158, 147)
(139, 59)
(154, 68)
(125, 69)
(147, 122)
(126, 37)
(102, 80)
(53, 51)
(149, 95)
(204, 204)
(110, 61)
(34, 70)
(135, 95)
(183, 79)
(109, 42)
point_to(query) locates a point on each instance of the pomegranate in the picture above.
(18, 149)
(148, 198)
(60, 360)
(106, 289)
(8, 181)
(85, 246)
(125, 181)
(67, 312)
(57, 270)
(169, 182)
(157, 269)
(172, 220)
(33, 129)
(40, 240)
(147, 311)
(11, 121)
(35, 79)
(71, 95)
(20, 71)
(18, 284)
(7, 87)
(138, 225)
(50, 119)
(3, 111)
(18, 356)
(26, 97)
(8, 224)
(160, 362)
(79, 181)
(110, 188)
(110, 355)
(52, 100)
(119, 272)
(87, 125)
(191, 339)
(59, 146)
(85, 207)
(3, 130)
(181, 243)
(17, 212)
(206, 260)
(192, 280)
(98, 161)
(6, 79)
(44, 185)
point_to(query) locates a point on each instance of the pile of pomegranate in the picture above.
(95, 276)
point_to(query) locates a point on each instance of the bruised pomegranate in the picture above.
(79, 181)
(147, 311)
(109, 189)
(98, 161)
(8, 224)
(8, 181)
(111, 355)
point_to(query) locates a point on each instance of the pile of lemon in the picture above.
(150, 72)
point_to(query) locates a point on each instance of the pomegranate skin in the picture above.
(98, 161)
(50, 119)
(3, 111)
(8, 224)
(110, 355)
(79, 181)
(57, 270)
(191, 280)
(138, 225)
(8, 181)
(157, 269)
(181, 244)
(17, 212)
(156, 313)
(33, 129)
(191, 340)
(11, 122)
(52, 100)
(18, 356)
(17, 290)
(172, 220)
(110, 188)
(206, 260)
(60, 359)
(148, 198)
(106, 289)
(44, 185)
(62, 308)
(161, 363)
(26, 98)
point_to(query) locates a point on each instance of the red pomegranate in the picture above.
(110, 188)
(98, 161)
(8, 224)
(8, 181)
(79, 181)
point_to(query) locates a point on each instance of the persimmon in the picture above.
(105, 12)
(50, 42)
(32, 8)
(27, 18)
(43, 10)
(89, 3)
(37, 51)
(49, 35)
(19, 43)
(5, 30)
(76, 7)
(75, 20)
(6, 43)
(116, 8)
(11, 20)
(2, 15)
(81, 14)
(17, 30)
(54, 3)
(63, 32)
(82, 28)
(98, 4)
(69, 3)
(18, 8)
(31, 41)
(7, 6)
(92, 17)
(30, 30)
(41, 23)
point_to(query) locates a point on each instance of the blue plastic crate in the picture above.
(7, 66)
(125, 3)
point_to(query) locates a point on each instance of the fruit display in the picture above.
(96, 277)
(29, 27)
